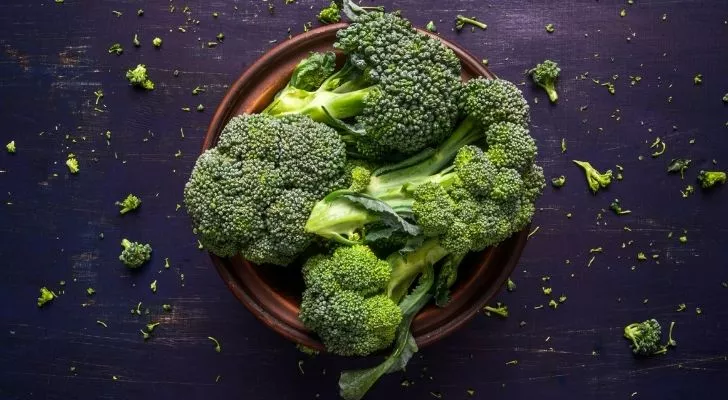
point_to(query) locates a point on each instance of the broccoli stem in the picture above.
(125, 243)
(551, 91)
(407, 267)
(339, 105)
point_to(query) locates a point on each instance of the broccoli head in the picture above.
(594, 178)
(253, 192)
(709, 179)
(345, 301)
(130, 203)
(134, 254)
(545, 75)
(138, 77)
(396, 94)
(645, 337)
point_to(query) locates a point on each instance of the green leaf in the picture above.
(446, 278)
(312, 71)
(389, 216)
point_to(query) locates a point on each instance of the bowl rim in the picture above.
(444, 326)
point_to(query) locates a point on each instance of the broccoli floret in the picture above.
(10, 147)
(157, 42)
(545, 75)
(725, 98)
(46, 295)
(135, 254)
(709, 179)
(252, 194)
(645, 337)
(594, 178)
(330, 14)
(138, 77)
(470, 197)
(130, 203)
(558, 182)
(461, 21)
(72, 163)
(396, 94)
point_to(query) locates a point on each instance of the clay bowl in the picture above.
(273, 294)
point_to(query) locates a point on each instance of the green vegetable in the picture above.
(10, 146)
(45, 296)
(220, 37)
(72, 163)
(725, 98)
(545, 76)
(134, 254)
(130, 203)
(558, 181)
(353, 385)
(476, 200)
(394, 111)
(166, 307)
(679, 165)
(500, 310)
(218, 348)
(646, 336)
(330, 14)
(90, 291)
(594, 178)
(617, 208)
(461, 21)
(252, 194)
(140, 12)
(153, 286)
(136, 41)
(138, 77)
(116, 49)
(157, 42)
(550, 28)
(709, 179)
(698, 79)
(431, 26)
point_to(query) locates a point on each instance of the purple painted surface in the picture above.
(54, 56)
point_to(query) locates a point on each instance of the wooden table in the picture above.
(53, 57)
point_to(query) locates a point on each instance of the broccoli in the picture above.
(330, 14)
(10, 147)
(594, 178)
(252, 194)
(679, 165)
(72, 163)
(431, 27)
(130, 203)
(725, 98)
(545, 75)
(455, 191)
(138, 77)
(461, 21)
(558, 182)
(157, 42)
(353, 302)
(396, 94)
(135, 254)
(45, 296)
(645, 337)
(709, 179)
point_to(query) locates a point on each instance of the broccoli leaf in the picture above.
(447, 277)
(312, 71)
(354, 385)
(388, 214)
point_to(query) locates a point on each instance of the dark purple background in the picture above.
(54, 56)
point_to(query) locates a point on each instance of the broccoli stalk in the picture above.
(594, 178)
(545, 75)
(461, 21)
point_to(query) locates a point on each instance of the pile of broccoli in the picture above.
(378, 176)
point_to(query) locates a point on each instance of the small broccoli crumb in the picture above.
(500, 310)
(617, 208)
(166, 307)
(709, 179)
(558, 181)
(431, 27)
(563, 145)
(138, 77)
(220, 37)
(136, 41)
(683, 239)
(689, 189)
(510, 285)
(679, 165)
(681, 307)
(725, 98)
(10, 147)
(550, 28)
(157, 42)
(218, 348)
(200, 108)
(72, 163)
(135, 254)
(90, 291)
(45, 296)
(330, 14)
(594, 178)
(197, 90)
(130, 203)
(698, 79)
(623, 13)
(116, 49)
(153, 286)
(307, 350)
(659, 145)
(641, 256)
(140, 12)
(461, 21)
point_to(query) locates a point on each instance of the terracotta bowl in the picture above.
(273, 294)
